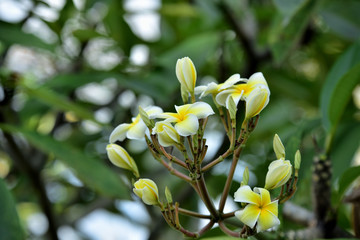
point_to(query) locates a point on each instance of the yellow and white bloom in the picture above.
(260, 209)
(256, 102)
(167, 134)
(279, 148)
(213, 88)
(278, 174)
(186, 117)
(186, 73)
(242, 91)
(121, 158)
(134, 130)
(147, 190)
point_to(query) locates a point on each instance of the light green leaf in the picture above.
(11, 34)
(287, 30)
(90, 170)
(338, 87)
(58, 101)
(287, 7)
(10, 227)
(86, 34)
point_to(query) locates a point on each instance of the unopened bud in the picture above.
(168, 195)
(147, 190)
(278, 147)
(278, 174)
(246, 176)
(297, 160)
(121, 158)
(145, 117)
(232, 108)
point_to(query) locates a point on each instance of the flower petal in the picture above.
(188, 126)
(267, 220)
(249, 215)
(119, 133)
(256, 102)
(222, 96)
(246, 195)
(137, 131)
(236, 98)
(264, 196)
(200, 90)
(257, 79)
(200, 110)
(272, 207)
(170, 117)
(230, 81)
(152, 111)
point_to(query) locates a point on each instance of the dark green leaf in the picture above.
(86, 34)
(10, 227)
(347, 178)
(337, 89)
(89, 169)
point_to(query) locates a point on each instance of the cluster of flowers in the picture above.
(184, 130)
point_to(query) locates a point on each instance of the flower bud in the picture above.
(167, 134)
(256, 102)
(121, 158)
(278, 174)
(145, 117)
(168, 195)
(147, 190)
(246, 176)
(278, 147)
(297, 160)
(232, 108)
(186, 73)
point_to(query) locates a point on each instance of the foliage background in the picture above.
(73, 70)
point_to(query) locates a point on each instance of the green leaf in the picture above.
(90, 170)
(10, 227)
(287, 7)
(86, 34)
(286, 31)
(346, 179)
(58, 101)
(11, 34)
(338, 87)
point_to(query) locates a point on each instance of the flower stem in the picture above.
(193, 214)
(206, 197)
(228, 231)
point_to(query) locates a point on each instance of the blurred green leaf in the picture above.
(91, 171)
(348, 177)
(342, 20)
(58, 101)
(338, 87)
(11, 34)
(10, 227)
(287, 7)
(86, 34)
(287, 31)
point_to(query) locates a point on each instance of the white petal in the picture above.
(152, 111)
(257, 78)
(236, 98)
(119, 133)
(200, 110)
(200, 89)
(137, 131)
(222, 96)
(188, 126)
(249, 215)
(230, 81)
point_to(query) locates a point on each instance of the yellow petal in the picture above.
(272, 207)
(119, 133)
(188, 126)
(170, 117)
(246, 195)
(278, 174)
(249, 215)
(256, 102)
(147, 190)
(264, 196)
(267, 220)
(200, 110)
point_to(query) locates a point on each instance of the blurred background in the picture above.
(72, 70)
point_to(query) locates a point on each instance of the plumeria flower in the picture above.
(186, 117)
(242, 91)
(147, 190)
(260, 209)
(167, 134)
(186, 73)
(134, 130)
(213, 88)
(278, 174)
